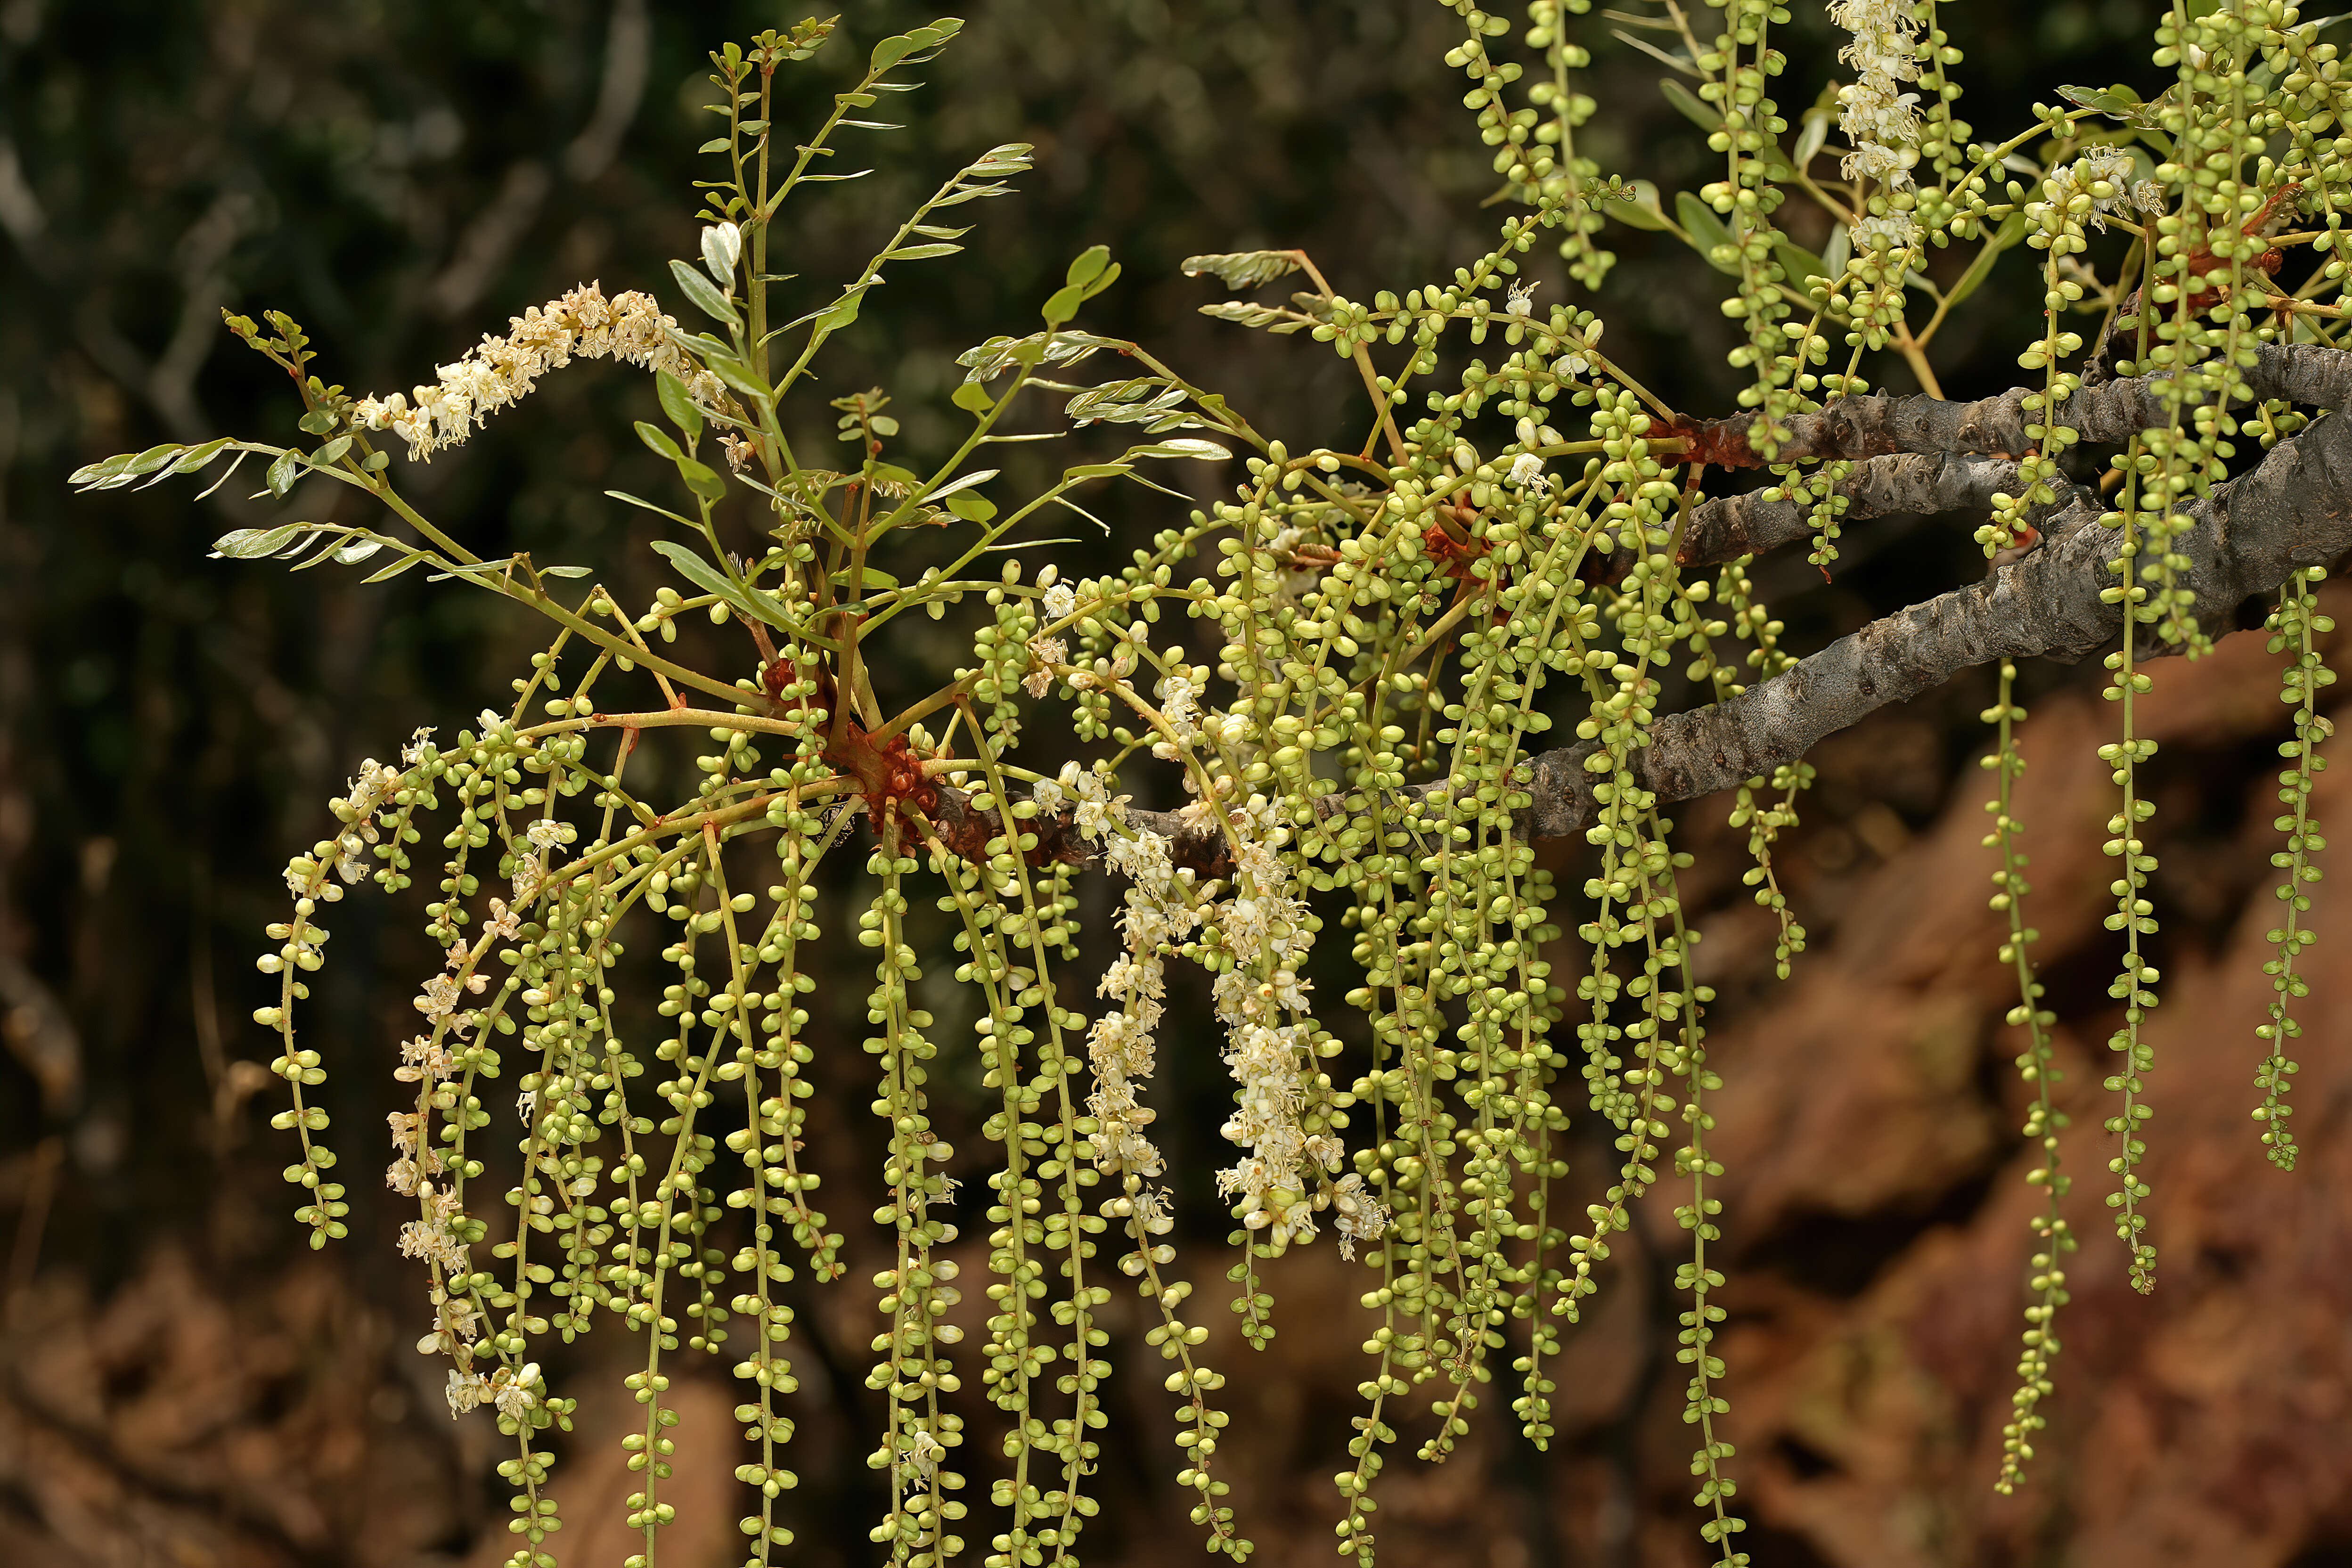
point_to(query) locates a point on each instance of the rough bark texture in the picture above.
(1922, 483)
(2111, 412)
(2293, 510)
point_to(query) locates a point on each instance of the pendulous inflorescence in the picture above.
(1366, 683)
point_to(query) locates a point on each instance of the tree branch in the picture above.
(1729, 527)
(2292, 510)
(2113, 411)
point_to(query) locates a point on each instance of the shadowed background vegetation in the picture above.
(180, 1382)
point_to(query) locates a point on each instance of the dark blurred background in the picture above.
(180, 1382)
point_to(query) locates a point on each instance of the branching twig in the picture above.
(2293, 510)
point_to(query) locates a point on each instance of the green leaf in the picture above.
(705, 295)
(2118, 101)
(722, 249)
(701, 478)
(197, 456)
(1010, 158)
(1798, 262)
(695, 570)
(972, 398)
(1687, 103)
(1062, 305)
(1097, 471)
(971, 506)
(1638, 205)
(662, 510)
(253, 543)
(318, 422)
(413, 558)
(873, 580)
(838, 316)
(564, 571)
(1244, 268)
(749, 600)
(963, 482)
(1705, 230)
(716, 144)
(890, 51)
(328, 455)
(654, 436)
(956, 198)
(1839, 252)
(735, 374)
(1675, 62)
(1182, 446)
(153, 459)
(919, 252)
(2011, 230)
(280, 477)
(1810, 140)
(97, 473)
(1088, 266)
(678, 405)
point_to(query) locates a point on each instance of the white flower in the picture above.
(1048, 796)
(512, 1391)
(499, 370)
(1178, 698)
(465, 1391)
(1043, 653)
(423, 1057)
(1097, 811)
(1357, 1215)
(404, 1125)
(1878, 118)
(432, 1240)
(1892, 232)
(1061, 602)
(1527, 473)
(2113, 168)
(350, 850)
(488, 721)
(922, 1452)
(1521, 301)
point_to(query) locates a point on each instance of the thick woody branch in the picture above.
(2293, 511)
(1921, 483)
(2115, 411)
